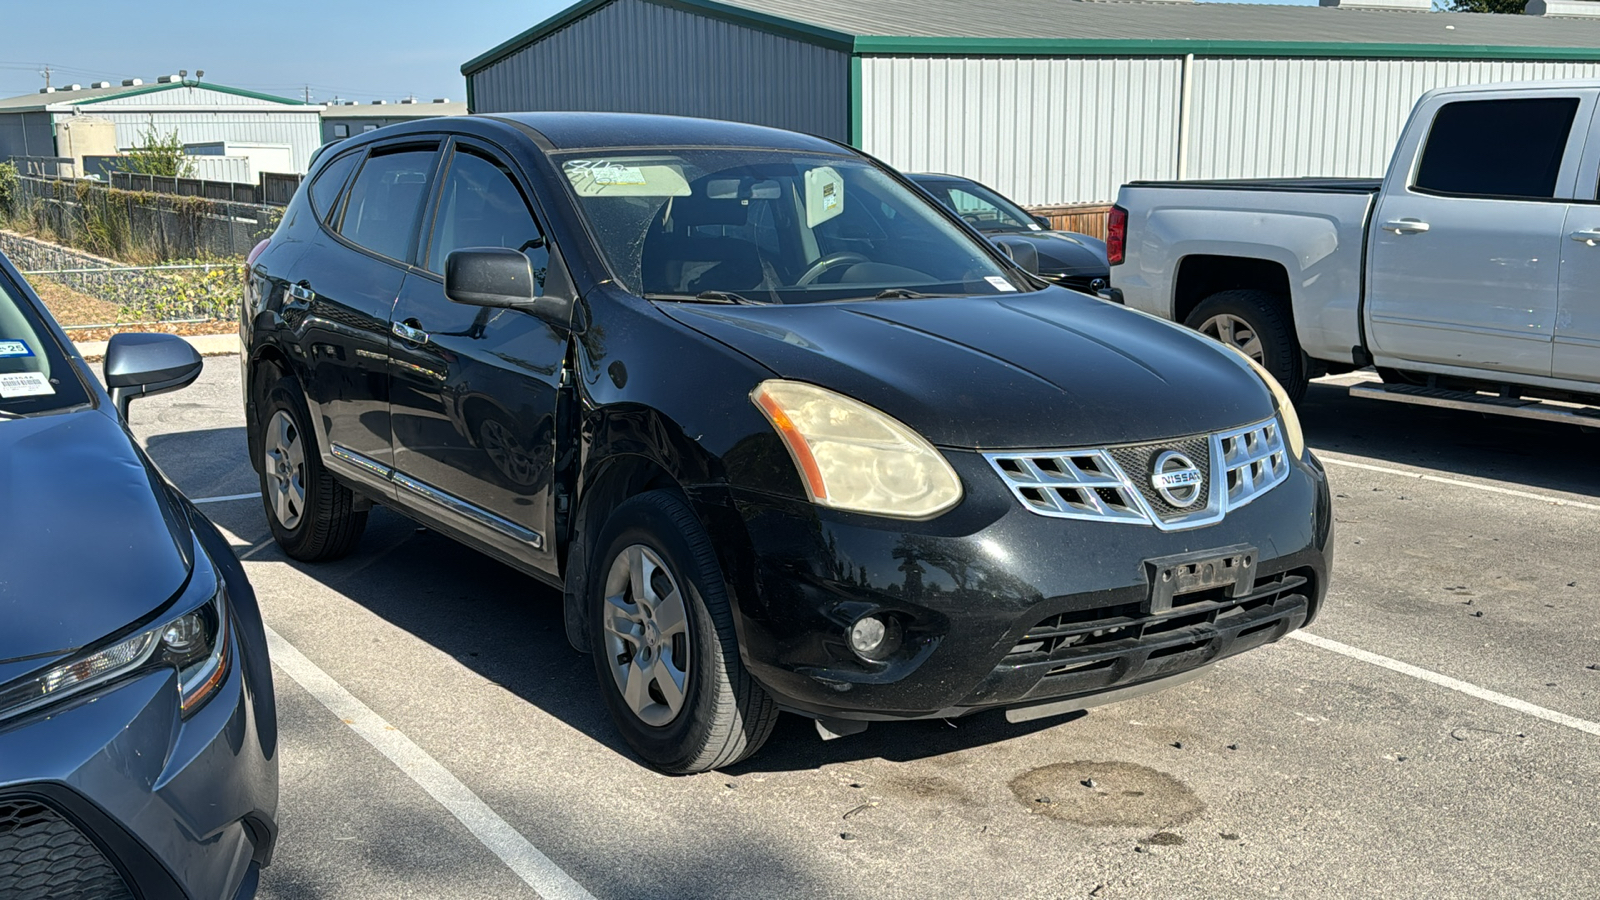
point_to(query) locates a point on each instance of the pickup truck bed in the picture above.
(1298, 185)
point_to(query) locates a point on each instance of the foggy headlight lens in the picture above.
(853, 457)
(1295, 438)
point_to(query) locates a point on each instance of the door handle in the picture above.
(1590, 236)
(410, 330)
(302, 293)
(1406, 226)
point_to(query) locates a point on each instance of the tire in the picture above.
(722, 715)
(312, 516)
(1260, 328)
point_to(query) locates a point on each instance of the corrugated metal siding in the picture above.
(300, 130)
(180, 96)
(632, 56)
(26, 134)
(1265, 118)
(1037, 130)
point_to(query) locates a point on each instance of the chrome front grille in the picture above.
(1113, 484)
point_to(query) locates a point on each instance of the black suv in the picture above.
(787, 434)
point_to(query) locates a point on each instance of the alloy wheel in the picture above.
(647, 635)
(1236, 333)
(284, 462)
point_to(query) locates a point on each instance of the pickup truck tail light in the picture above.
(1116, 234)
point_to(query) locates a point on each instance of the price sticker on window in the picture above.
(24, 384)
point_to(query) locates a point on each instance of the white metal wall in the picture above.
(1267, 118)
(1040, 130)
(632, 56)
(302, 131)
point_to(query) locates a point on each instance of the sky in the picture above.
(335, 48)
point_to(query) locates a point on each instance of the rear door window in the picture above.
(1497, 148)
(386, 198)
(325, 190)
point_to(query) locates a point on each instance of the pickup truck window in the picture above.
(1497, 148)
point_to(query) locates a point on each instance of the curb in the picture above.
(205, 344)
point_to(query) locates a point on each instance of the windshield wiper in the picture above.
(11, 415)
(710, 297)
(901, 294)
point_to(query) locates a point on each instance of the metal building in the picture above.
(1050, 101)
(199, 112)
(342, 120)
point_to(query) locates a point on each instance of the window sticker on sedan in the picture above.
(24, 384)
(1000, 284)
(824, 195)
(626, 178)
(14, 349)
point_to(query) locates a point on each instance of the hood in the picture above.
(1050, 369)
(90, 541)
(1063, 252)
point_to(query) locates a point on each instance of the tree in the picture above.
(158, 154)
(1513, 7)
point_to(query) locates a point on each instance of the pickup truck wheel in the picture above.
(665, 649)
(1253, 322)
(311, 515)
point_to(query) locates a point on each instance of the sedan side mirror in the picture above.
(143, 365)
(1045, 223)
(500, 278)
(1021, 251)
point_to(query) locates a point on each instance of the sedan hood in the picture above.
(1063, 252)
(1050, 369)
(90, 541)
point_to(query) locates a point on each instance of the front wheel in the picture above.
(1256, 324)
(665, 649)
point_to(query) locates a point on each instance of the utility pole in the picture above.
(308, 95)
(46, 73)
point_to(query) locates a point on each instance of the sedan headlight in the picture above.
(855, 458)
(1295, 438)
(195, 643)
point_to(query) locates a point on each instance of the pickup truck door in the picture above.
(1577, 335)
(473, 390)
(1466, 240)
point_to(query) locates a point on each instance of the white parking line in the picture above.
(1454, 684)
(524, 859)
(250, 496)
(1439, 479)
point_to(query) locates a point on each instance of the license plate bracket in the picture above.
(1233, 569)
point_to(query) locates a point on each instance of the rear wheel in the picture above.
(1255, 324)
(665, 649)
(312, 516)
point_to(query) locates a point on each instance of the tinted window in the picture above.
(325, 190)
(480, 205)
(1497, 148)
(987, 210)
(384, 201)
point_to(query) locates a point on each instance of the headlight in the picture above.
(854, 457)
(1291, 420)
(195, 643)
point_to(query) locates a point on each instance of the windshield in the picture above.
(982, 208)
(762, 226)
(34, 373)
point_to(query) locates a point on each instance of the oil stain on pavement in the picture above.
(1107, 794)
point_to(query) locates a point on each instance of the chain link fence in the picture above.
(172, 293)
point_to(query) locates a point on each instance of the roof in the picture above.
(605, 130)
(1088, 27)
(394, 110)
(64, 99)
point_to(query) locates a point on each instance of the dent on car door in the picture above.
(473, 389)
(347, 290)
(1466, 244)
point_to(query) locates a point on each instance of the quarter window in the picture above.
(480, 205)
(325, 189)
(1497, 148)
(385, 199)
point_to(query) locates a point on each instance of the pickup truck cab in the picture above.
(1467, 275)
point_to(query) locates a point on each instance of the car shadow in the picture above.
(209, 462)
(1522, 452)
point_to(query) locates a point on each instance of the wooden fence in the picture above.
(1084, 218)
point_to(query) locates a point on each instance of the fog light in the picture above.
(875, 637)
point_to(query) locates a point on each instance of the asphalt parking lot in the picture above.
(1437, 733)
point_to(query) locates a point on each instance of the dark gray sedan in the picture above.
(138, 734)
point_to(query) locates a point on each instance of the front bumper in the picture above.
(136, 801)
(1001, 607)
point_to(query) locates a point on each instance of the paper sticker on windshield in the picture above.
(627, 178)
(1035, 226)
(824, 195)
(14, 349)
(1000, 284)
(24, 384)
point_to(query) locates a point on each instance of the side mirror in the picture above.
(499, 278)
(1045, 223)
(1021, 251)
(143, 365)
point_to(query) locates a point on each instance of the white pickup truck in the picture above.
(1469, 275)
